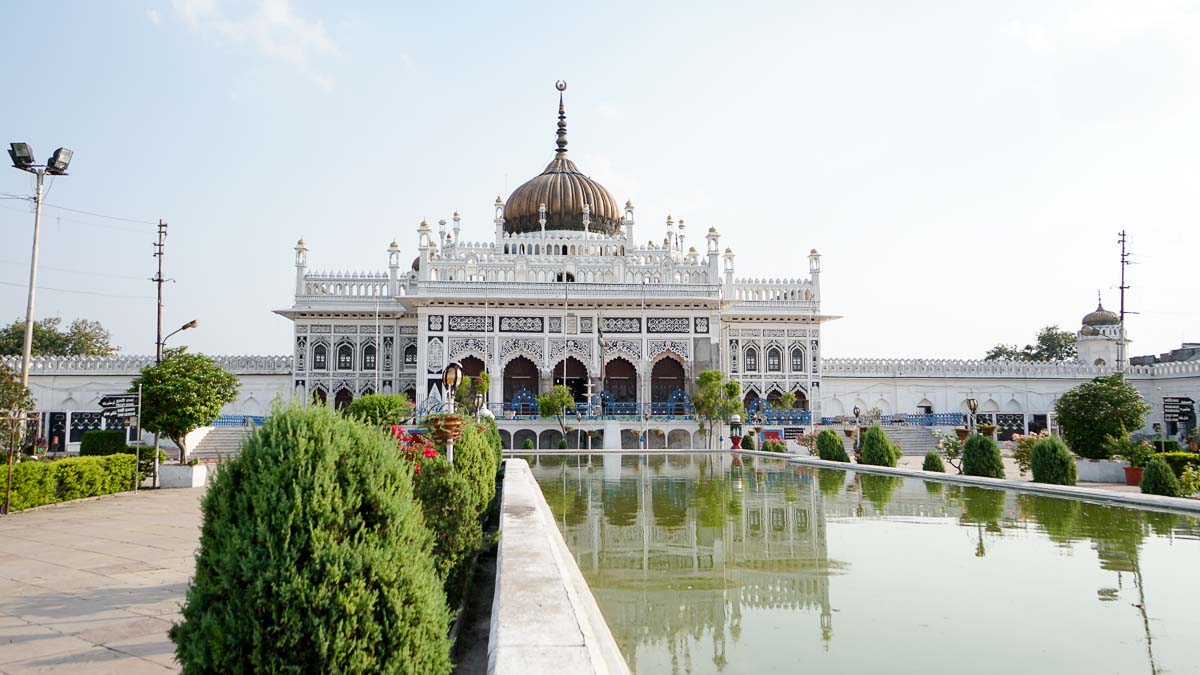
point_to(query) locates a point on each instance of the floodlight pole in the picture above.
(27, 350)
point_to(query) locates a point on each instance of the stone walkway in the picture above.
(94, 586)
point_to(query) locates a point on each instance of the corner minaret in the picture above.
(814, 271)
(301, 265)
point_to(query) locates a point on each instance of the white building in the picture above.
(566, 293)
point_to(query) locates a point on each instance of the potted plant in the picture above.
(445, 427)
(988, 429)
(963, 433)
(1137, 454)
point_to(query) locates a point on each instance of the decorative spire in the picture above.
(1099, 301)
(561, 153)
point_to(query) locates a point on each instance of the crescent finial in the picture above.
(560, 85)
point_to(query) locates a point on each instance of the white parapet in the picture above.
(544, 618)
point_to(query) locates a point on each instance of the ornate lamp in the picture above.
(735, 431)
(972, 405)
(451, 378)
(856, 412)
(478, 402)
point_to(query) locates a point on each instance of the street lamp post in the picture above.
(972, 405)
(857, 425)
(451, 378)
(22, 158)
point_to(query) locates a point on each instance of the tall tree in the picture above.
(715, 401)
(1052, 344)
(554, 403)
(81, 338)
(182, 394)
(13, 398)
(1106, 406)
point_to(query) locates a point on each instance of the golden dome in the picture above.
(564, 190)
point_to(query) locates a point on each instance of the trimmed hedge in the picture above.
(381, 410)
(1052, 462)
(981, 457)
(314, 557)
(747, 442)
(1169, 445)
(877, 450)
(457, 533)
(933, 462)
(528, 444)
(475, 460)
(37, 483)
(830, 447)
(101, 442)
(1178, 461)
(1159, 479)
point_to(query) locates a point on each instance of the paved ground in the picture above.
(94, 586)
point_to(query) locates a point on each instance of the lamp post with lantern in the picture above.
(972, 406)
(735, 432)
(857, 426)
(451, 427)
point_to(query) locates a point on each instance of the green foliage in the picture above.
(562, 444)
(182, 394)
(983, 505)
(748, 442)
(715, 401)
(12, 397)
(36, 483)
(554, 403)
(1106, 406)
(1052, 462)
(1159, 479)
(1189, 481)
(314, 557)
(493, 434)
(1052, 345)
(951, 448)
(774, 446)
(528, 444)
(476, 461)
(457, 534)
(933, 462)
(981, 457)
(876, 449)
(787, 400)
(878, 489)
(830, 446)
(102, 442)
(82, 338)
(381, 410)
(831, 481)
(1178, 461)
(1167, 445)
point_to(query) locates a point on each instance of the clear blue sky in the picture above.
(964, 168)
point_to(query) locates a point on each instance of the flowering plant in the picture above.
(413, 447)
(1022, 448)
(950, 447)
(809, 441)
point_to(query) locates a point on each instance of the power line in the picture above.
(75, 292)
(101, 215)
(69, 270)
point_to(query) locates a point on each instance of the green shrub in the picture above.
(493, 434)
(877, 450)
(528, 444)
(1105, 406)
(457, 534)
(1159, 479)
(381, 410)
(101, 442)
(879, 489)
(1178, 461)
(314, 557)
(145, 455)
(831, 481)
(773, 446)
(1168, 445)
(933, 462)
(475, 460)
(747, 442)
(37, 483)
(829, 447)
(562, 444)
(981, 457)
(1052, 462)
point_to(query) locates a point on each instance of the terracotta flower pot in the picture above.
(447, 428)
(737, 442)
(987, 430)
(962, 433)
(1133, 475)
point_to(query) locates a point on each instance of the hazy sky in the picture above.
(964, 168)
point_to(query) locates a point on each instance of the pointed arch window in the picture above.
(369, 357)
(751, 360)
(410, 355)
(798, 360)
(774, 360)
(345, 357)
(320, 357)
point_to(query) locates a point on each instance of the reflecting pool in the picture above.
(708, 563)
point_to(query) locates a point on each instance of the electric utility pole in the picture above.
(159, 249)
(1123, 287)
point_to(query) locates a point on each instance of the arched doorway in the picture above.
(750, 397)
(472, 366)
(620, 380)
(801, 400)
(342, 399)
(319, 396)
(520, 373)
(572, 373)
(666, 376)
(773, 397)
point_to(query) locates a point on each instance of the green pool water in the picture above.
(712, 563)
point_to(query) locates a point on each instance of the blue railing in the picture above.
(594, 411)
(238, 420)
(908, 419)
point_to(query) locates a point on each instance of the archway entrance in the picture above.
(472, 366)
(572, 373)
(520, 373)
(343, 399)
(801, 400)
(773, 397)
(750, 397)
(665, 377)
(620, 380)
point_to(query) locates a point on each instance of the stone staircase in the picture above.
(220, 443)
(914, 440)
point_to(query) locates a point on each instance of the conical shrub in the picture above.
(830, 447)
(981, 457)
(1159, 479)
(1052, 462)
(314, 557)
(457, 533)
(877, 449)
(933, 462)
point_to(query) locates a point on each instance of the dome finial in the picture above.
(561, 86)
(1099, 300)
